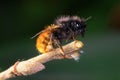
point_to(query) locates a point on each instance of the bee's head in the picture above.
(73, 23)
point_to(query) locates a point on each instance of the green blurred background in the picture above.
(20, 20)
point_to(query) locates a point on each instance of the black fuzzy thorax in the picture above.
(69, 27)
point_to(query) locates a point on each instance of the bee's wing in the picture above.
(37, 34)
(52, 26)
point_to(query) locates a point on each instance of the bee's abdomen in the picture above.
(43, 43)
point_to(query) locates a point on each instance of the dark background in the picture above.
(20, 20)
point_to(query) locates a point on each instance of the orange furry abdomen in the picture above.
(43, 43)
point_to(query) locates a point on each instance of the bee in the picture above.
(63, 28)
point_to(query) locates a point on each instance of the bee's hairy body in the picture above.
(52, 37)
(64, 28)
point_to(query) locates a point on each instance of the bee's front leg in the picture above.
(60, 46)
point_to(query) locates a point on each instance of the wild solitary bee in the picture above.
(64, 28)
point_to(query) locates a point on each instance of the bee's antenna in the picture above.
(88, 18)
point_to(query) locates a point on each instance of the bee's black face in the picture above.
(78, 27)
(72, 25)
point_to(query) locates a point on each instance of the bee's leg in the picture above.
(60, 46)
(49, 45)
(56, 43)
(62, 51)
(72, 34)
(63, 56)
(73, 37)
(51, 38)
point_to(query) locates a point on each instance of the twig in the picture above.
(35, 64)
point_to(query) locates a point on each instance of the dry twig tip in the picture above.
(35, 64)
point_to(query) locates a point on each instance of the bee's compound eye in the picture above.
(77, 25)
(73, 23)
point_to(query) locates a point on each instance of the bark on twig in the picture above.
(35, 64)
